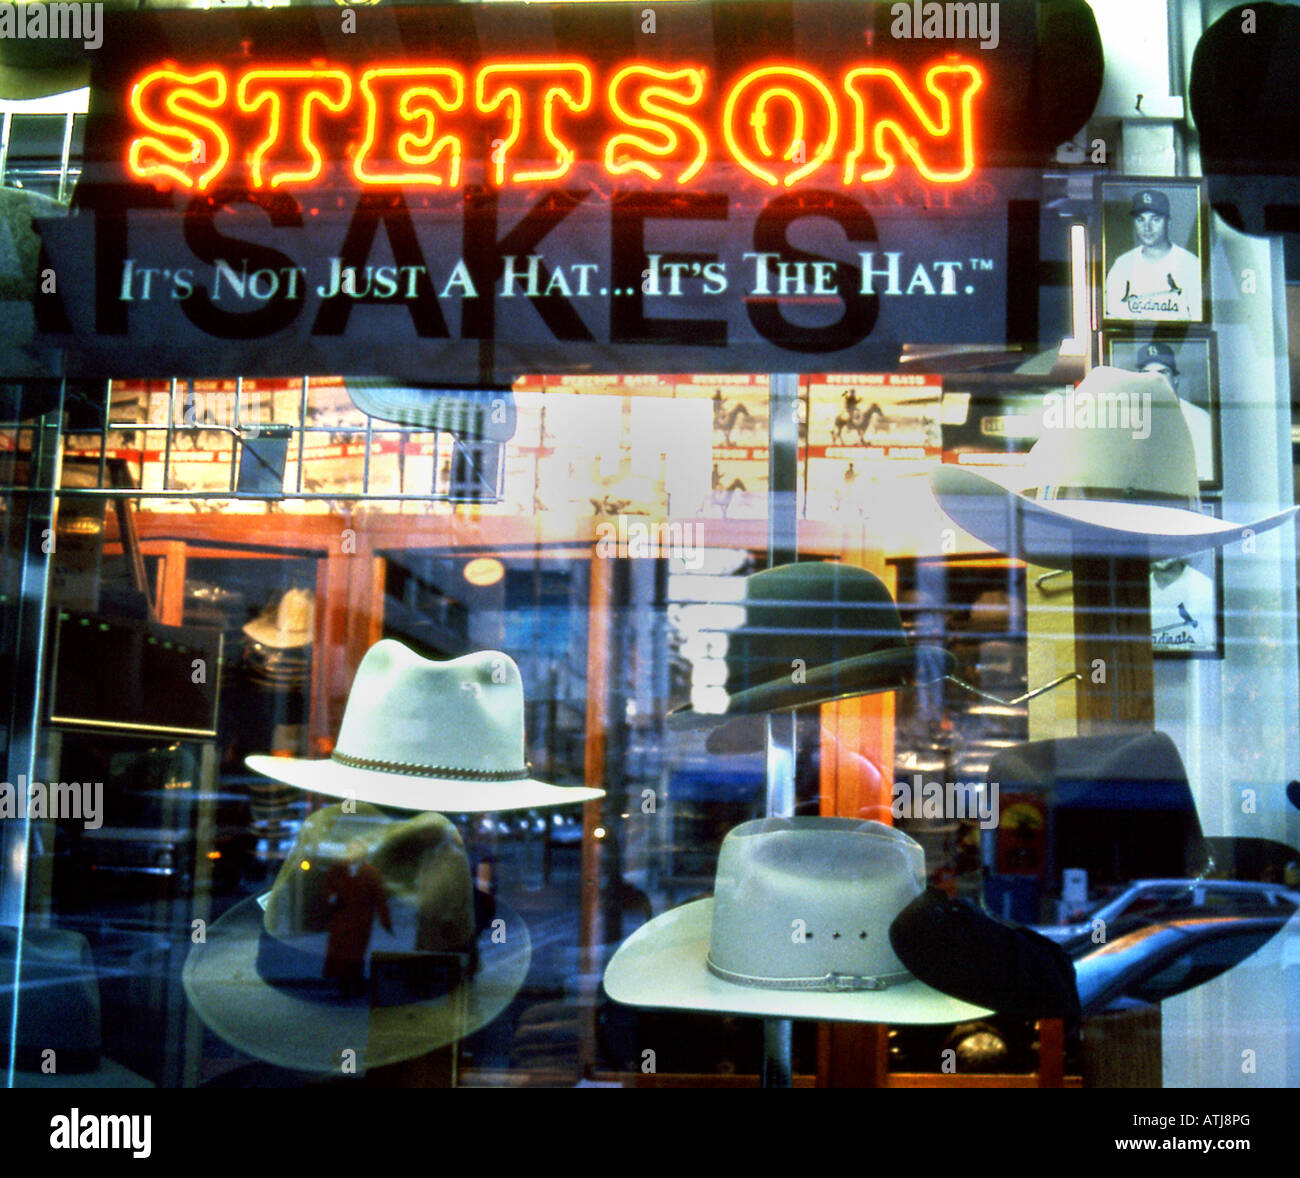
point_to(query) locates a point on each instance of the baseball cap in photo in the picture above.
(1149, 200)
(1157, 354)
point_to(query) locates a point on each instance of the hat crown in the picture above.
(408, 714)
(815, 611)
(295, 612)
(60, 1006)
(801, 901)
(1118, 431)
(1120, 805)
(1150, 200)
(420, 864)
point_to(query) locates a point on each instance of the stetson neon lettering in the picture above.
(497, 85)
(301, 91)
(899, 116)
(529, 122)
(649, 88)
(399, 97)
(747, 116)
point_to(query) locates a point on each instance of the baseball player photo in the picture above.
(1185, 607)
(1159, 278)
(1188, 365)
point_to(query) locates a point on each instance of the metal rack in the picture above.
(463, 470)
(64, 176)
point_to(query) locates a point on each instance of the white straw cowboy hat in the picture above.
(798, 928)
(349, 951)
(1097, 483)
(286, 624)
(424, 735)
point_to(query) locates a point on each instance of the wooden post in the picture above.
(857, 777)
(589, 930)
(1112, 627)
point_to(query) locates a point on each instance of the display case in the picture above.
(671, 554)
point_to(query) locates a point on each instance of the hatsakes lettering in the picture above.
(528, 122)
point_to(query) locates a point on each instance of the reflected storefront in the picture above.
(729, 544)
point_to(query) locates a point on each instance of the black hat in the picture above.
(1149, 200)
(1157, 354)
(1119, 806)
(960, 950)
(816, 632)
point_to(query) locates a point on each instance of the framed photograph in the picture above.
(1154, 250)
(1189, 361)
(1187, 603)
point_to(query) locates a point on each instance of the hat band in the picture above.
(444, 772)
(1125, 495)
(830, 981)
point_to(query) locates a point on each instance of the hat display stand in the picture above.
(780, 727)
(854, 1052)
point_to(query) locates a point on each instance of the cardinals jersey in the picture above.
(1168, 288)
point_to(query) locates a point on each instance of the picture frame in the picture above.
(1187, 603)
(1153, 264)
(1189, 360)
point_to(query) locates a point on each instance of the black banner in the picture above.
(469, 192)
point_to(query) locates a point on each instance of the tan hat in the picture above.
(288, 623)
(1113, 473)
(424, 735)
(278, 976)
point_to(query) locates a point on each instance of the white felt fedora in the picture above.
(425, 735)
(359, 888)
(798, 928)
(1113, 473)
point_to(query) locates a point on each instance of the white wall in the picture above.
(1237, 722)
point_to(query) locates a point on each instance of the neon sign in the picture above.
(529, 122)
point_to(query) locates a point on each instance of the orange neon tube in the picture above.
(569, 82)
(649, 88)
(174, 144)
(747, 103)
(276, 89)
(962, 80)
(417, 94)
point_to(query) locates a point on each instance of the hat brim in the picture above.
(866, 674)
(19, 83)
(445, 796)
(271, 1023)
(460, 411)
(267, 634)
(109, 1074)
(1056, 532)
(662, 966)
